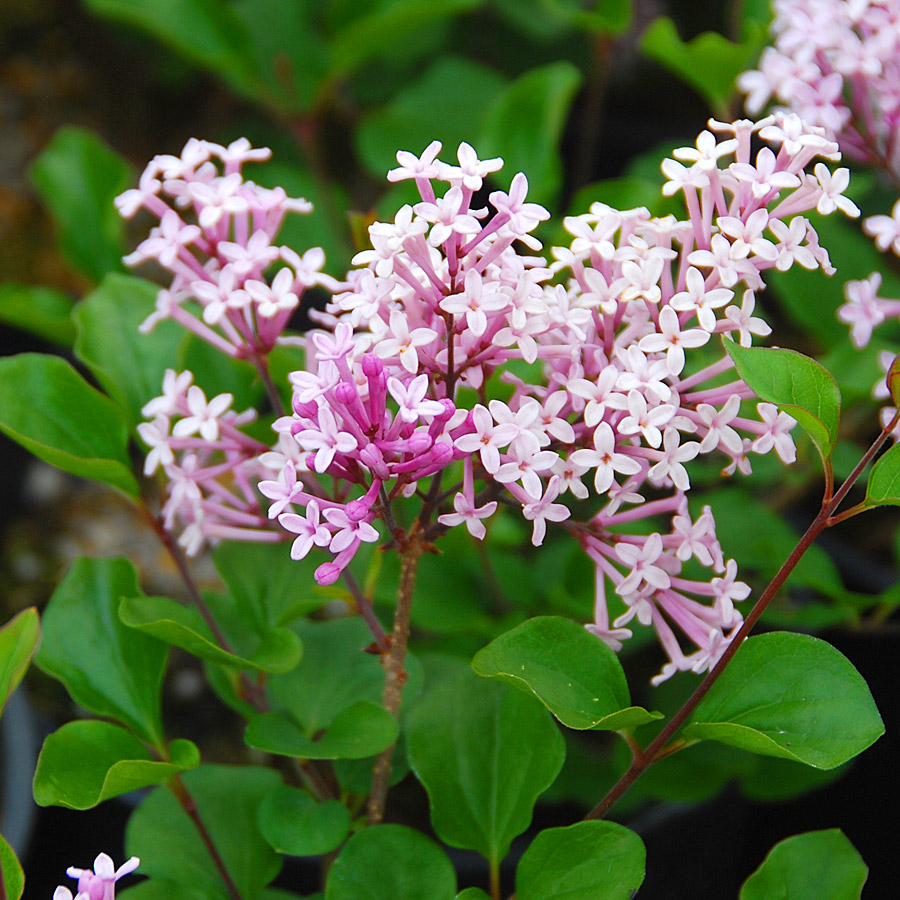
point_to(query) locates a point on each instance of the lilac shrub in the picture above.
(607, 377)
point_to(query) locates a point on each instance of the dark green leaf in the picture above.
(798, 385)
(19, 639)
(525, 123)
(217, 373)
(709, 63)
(13, 876)
(207, 33)
(357, 732)
(279, 651)
(883, 488)
(472, 893)
(39, 310)
(575, 675)
(818, 865)
(129, 365)
(391, 862)
(78, 176)
(582, 862)
(792, 696)
(157, 888)
(48, 408)
(460, 89)
(292, 822)
(108, 668)
(782, 779)
(549, 19)
(88, 761)
(484, 752)
(228, 799)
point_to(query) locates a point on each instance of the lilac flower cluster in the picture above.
(594, 378)
(836, 63)
(98, 883)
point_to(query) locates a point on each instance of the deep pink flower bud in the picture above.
(357, 510)
(327, 573)
(372, 366)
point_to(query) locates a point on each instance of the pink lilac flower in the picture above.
(98, 883)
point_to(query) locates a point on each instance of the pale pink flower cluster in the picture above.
(216, 236)
(98, 883)
(836, 63)
(595, 349)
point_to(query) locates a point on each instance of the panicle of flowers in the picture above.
(836, 63)
(447, 297)
(216, 236)
(98, 883)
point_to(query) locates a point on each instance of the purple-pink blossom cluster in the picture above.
(98, 883)
(607, 375)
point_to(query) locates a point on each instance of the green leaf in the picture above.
(524, 125)
(39, 310)
(545, 20)
(389, 25)
(88, 761)
(19, 639)
(792, 696)
(360, 731)
(818, 865)
(582, 862)
(218, 373)
(472, 893)
(129, 365)
(484, 753)
(709, 63)
(13, 876)
(391, 862)
(78, 176)
(292, 822)
(883, 487)
(108, 668)
(228, 800)
(48, 408)
(575, 675)
(460, 89)
(207, 33)
(893, 380)
(156, 888)
(279, 651)
(798, 385)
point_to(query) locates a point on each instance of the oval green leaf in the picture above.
(38, 310)
(818, 865)
(798, 385)
(792, 696)
(108, 668)
(48, 408)
(13, 876)
(582, 862)
(88, 761)
(484, 752)
(279, 651)
(883, 486)
(574, 674)
(391, 862)
(228, 799)
(360, 731)
(19, 639)
(294, 823)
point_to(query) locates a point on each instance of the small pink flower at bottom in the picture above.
(98, 883)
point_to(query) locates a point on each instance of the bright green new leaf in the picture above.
(818, 865)
(108, 668)
(228, 800)
(19, 639)
(391, 862)
(883, 487)
(525, 123)
(472, 893)
(13, 876)
(798, 385)
(709, 63)
(575, 675)
(129, 365)
(357, 732)
(39, 310)
(78, 176)
(294, 823)
(582, 862)
(484, 753)
(182, 626)
(793, 696)
(88, 761)
(48, 408)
